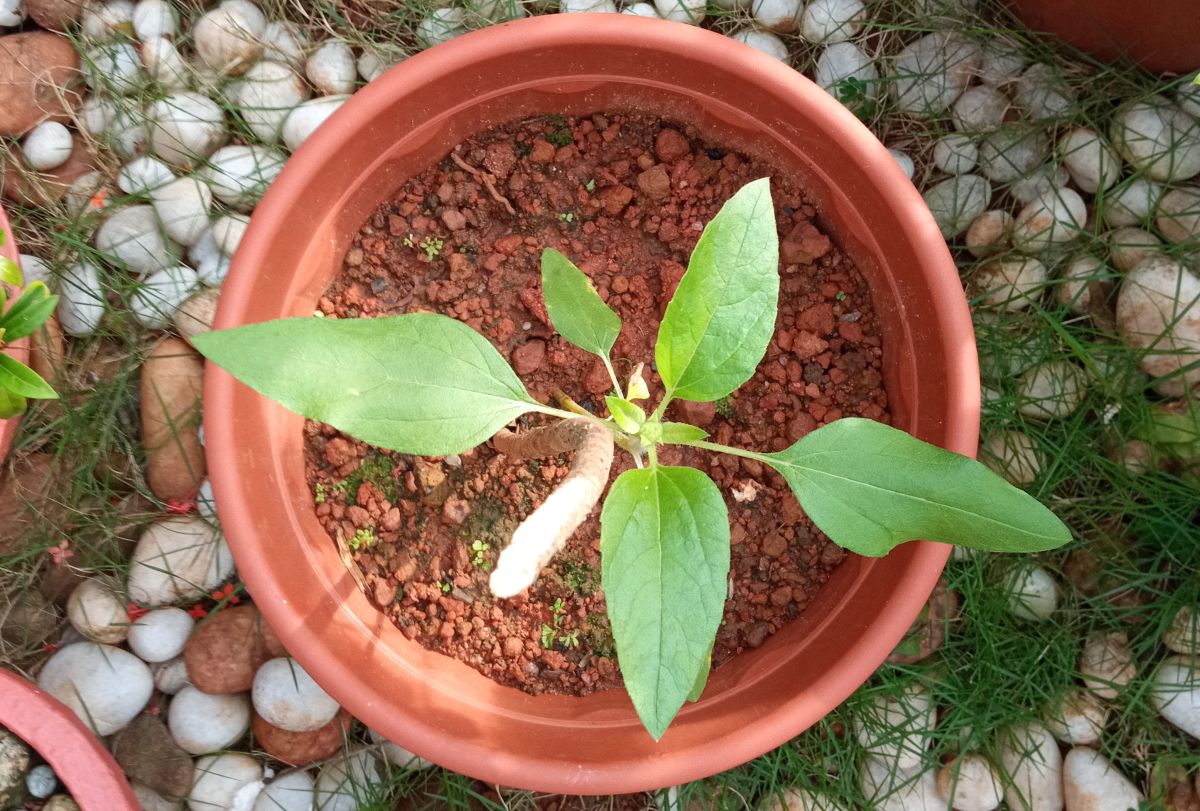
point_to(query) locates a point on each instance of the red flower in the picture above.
(197, 612)
(60, 553)
(226, 595)
(135, 612)
(179, 506)
(49, 647)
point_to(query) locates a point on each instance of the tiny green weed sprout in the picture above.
(479, 554)
(566, 216)
(319, 494)
(427, 384)
(363, 539)
(19, 383)
(432, 246)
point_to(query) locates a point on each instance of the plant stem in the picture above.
(719, 448)
(612, 375)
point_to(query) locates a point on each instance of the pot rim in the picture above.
(78, 758)
(256, 562)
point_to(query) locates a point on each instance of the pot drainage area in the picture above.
(139, 137)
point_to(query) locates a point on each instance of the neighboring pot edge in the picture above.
(19, 349)
(396, 126)
(78, 758)
(1162, 36)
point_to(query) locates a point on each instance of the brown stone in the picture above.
(23, 185)
(614, 199)
(542, 151)
(226, 650)
(150, 756)
(670, 145)
(55, 15)
(171, 388)
(25, 498)
(803, 244)
(36, 68)
(527, 358)
(698, 414)
(655, 183)
(302, 748)
(774, 544)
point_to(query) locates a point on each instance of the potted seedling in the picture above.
(427, 384)
(19, 319)
(393, 131)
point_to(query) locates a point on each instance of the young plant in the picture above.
(18, 382)
(427, 384)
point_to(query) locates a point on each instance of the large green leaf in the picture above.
(575, 308)
(870, 487)
(10, 273)
(721, 318)
(28, 312)
(22, 381)
(664, 551)
(420, 383)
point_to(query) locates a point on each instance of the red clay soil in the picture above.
(625, 197)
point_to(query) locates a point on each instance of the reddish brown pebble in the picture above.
(35, 67)
(302, 748)
(527, 358)
(803, 244)
(670, 145)
(774, 544)
(614, 199)
(226, 650)
(655, 183)
(698, 414)
(542, 152)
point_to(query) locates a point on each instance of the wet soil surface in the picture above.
(625, 197)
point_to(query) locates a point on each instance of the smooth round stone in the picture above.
(48, 146)
(955, 154)
(956, 201)
(1094, 165)
(1038, 181)
(1178, 214)
(143, 174)
(178, 559)
(1051, 390)
(133, 237)
(1083, 283)
(1107, 664)
(14, 760)
(763, 41)
(41, 781)
(303, 120)
(1033, 594)
(970, 783)
(397, 755)
(1054, 218)
(287, 697)
(1009, 153)
(933, 71)
(1176, 694)
(342, 782)
(170, 677)
(1043, 93)
(1010, 284)
(161, 294)
(83, 302)
(225, 652)
(291, 791)
(843, 67)
(1159, 139)
(1131, 203)
(97, 612)
(980, 109)
(826, 21)
(239, 175)
(201, 723)
(159, 635)
(105, 686)
(265, 95)
(1091, 783)
(220, 778)
(896, 729)
(1032, 764)
(989, 233)
(906, 163)
(1156, 311)
(888, 788)
(1003, 60)
(302, 748)
(1183, 634)
(776, 15)
(1078, 718)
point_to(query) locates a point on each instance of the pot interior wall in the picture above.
(452, 714)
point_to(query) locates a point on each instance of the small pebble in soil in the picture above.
(41, 781)
(287, 697)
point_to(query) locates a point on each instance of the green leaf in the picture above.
(19, 379)
(681, 433)
(721, 318)
(628, 417)
(664, 552)
(10, 273)
(29, 311)
(576, 309)
(420, 383)
(870, 487)
(10, 404)
(701, 677)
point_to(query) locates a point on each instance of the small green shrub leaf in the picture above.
(721, 318)
(28, 312)
(628, 417)
(576, 309)
(664, 552)
(10, 273)
(680, 433)
(420, 383)
(22, 381)
(870, 487)
(10, 404)
(701, 677)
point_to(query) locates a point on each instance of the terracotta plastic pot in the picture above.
(81, 762)
(409, 119)
(1162, 36)
(19, 349)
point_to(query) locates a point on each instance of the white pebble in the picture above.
(104, 686)
(1043, 93)
(305, 118)
(153, 19)
(228, 39)
(1159, 139)
(377, 60)
(776, 15)
(955, 154)
(177, 559)
(102, 21)
(970, 783)
(1107, 663)
(183, 208)
(228, 232)
(1052, 389)
(1156, 311)
(1128, 247)
(1093, 164)
(285, 42)
(844, 66)
(764, 41)
(47, 146)
(206, 504)
(897, 729)
(111, 67)
(1183, 634)
(444, 24)
(161, 294)
(331, 68)
(825, 21)
(1010, 284)
(1176, 693)
(1091, 783)
(133, 237)
(1032, 593)
(12, 13)
(1002, 61)
(1054, 218)
(933, 71)
(888, 788)
(343, 781)
(1013, 455)
(956, 201)
(290, 791)
(36, 269)
(1037, 182)
(681, 11)
(239, 175)
(219, 778)
(201, 723)
(397, 755)
(1077, 718)
(989, 233)
(265, 94)
(1131, 202)
(170, 677)
(82, 304)
(1012, 151)
(980, 109)
(1178, 214)
(906, 163)
(164, 64)
(97, 612)
(648, 10)
(1081, 280)
(143, 175)
(287, 697)
(41, 781)
(1032, 764)
(185, 128)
